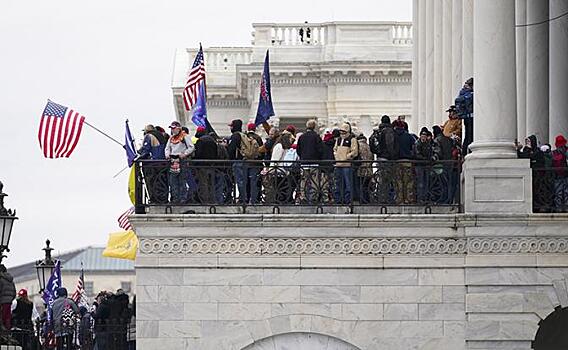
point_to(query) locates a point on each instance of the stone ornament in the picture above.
(357, 246)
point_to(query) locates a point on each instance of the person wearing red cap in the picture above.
(23, 311)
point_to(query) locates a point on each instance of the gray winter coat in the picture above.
(7, 288)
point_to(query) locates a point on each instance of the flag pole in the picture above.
(105, 134)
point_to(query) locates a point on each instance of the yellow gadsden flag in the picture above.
(131, 186)
(122, 245)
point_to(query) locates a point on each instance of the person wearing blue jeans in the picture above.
(346, 149)
(178, 148)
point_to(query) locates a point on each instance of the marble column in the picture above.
(494, 179)
(558, 70)
(415, 66)
(467, 41)
(457, 27)
(438, 62)
(429, 62)
(521, 39)
(537, 70)
(422, 64)
(447, 59)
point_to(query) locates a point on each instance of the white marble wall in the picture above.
(299, 281)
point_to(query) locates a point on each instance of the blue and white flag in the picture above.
(49, 293)
(129, 145)
(199, 114)
(265, 108)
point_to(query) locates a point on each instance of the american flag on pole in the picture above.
(59, 130)
(123, 221)
(195, 78)
(79, 296)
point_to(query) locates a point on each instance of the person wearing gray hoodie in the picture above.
(7, 295)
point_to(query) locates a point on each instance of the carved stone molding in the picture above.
(353, 246)
(518, 245)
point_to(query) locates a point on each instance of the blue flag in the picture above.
(265, 108)
(199, 116)
(129, 146)
(51, 287)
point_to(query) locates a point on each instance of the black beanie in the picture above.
(385, 119)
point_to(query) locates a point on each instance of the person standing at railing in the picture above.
(442, 147)
(64, 315)
(178, 148)
(256, 167)
(345, 150)
(23, 312)
(7, 295)
(310, 151)
(207, 171)
(560, 165)
(153, 147)
(242, 148)
(453, 126)
(364, 170)
(405, 193)
(423, 154)
(387, 149)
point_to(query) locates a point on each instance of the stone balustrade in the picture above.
(220, 59)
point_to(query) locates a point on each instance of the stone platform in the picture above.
(359, 281)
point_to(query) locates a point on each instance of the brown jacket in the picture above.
(452, 127)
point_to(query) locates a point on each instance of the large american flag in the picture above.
(196, 77)
(59, 130)
(123, 221)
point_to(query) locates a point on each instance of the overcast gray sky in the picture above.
(110, 60)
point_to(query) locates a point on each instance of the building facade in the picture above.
(342, 70)
(492, 276)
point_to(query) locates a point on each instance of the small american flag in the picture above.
(196, 77)
(123, 221)
(59, 130)
(79, 296)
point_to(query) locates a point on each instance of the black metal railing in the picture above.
(550, 190)
(296, 183)
(112, 335)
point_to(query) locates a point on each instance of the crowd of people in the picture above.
(338, 165)
(107, 323)
(550, 172)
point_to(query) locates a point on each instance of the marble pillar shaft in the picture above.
(457, 27)
(521, 41)
(429, 62)
(438, 62)
(422, 64)
(447, 59)
(558, 70)
(495, 102)
(467, 40)
(537, 70)
(415, 66)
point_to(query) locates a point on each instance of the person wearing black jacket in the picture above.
(405, 183)
(309, 150)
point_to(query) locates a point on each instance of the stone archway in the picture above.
(551, 334)
(300, 341)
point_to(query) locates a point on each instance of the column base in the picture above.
(497, 185)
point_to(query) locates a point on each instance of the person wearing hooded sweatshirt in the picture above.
(178, 148)
(345, 150)
(423, 153)
(7, 295)
(464, 109)
(64, 314)
(209, 188)
(245, 176)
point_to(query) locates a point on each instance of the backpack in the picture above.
(388, 144)
(249, 147)
(374, 142)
